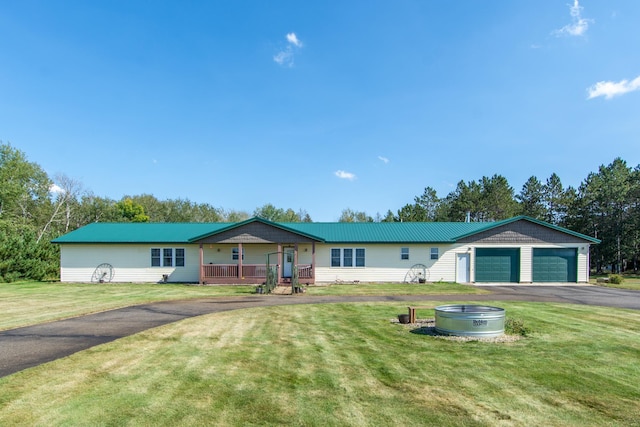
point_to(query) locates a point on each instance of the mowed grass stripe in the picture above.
(342, 364)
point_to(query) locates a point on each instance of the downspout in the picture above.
(201, 274)
(313, 261)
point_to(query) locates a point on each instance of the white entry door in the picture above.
(463, 268)
(287, 263)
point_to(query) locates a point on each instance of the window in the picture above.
(347, 257)
(404, 253)
(168, 257)
(179, 257)
(234, 254)
(335, 257)
(155, 257)
(434, 253)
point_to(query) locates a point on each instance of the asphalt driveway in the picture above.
(30, 346)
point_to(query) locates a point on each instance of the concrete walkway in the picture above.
(30, 346)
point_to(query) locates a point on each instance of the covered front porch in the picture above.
(283, 261)
(246, 253)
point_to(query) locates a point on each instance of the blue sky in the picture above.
(318, 105)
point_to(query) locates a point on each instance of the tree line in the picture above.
(34, 211)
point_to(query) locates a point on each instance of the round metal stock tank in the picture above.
(470, 320)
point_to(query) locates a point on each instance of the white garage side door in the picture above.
(463, 268)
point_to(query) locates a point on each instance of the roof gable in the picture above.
(523, 229)
(256, 230)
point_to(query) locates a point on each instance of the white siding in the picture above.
(131, 263)
(583, 264)
(383, 263)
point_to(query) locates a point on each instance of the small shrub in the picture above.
(516, 327)
(616, 279)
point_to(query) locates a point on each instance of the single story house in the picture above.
(515, 250)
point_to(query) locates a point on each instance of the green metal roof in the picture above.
(329, 232)
(131, 232)
(387, 232)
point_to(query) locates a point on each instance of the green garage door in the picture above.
(498, 265)
(555, 265)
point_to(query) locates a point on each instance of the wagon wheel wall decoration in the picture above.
(102, 274)
(418, 273)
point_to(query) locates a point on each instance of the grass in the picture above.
(30, 303)
(343, 364)
(438, 288)
(631, 282)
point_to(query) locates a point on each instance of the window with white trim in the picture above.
(180, 257)
(404, 253)
(434, 253)
(155, 257)
(335, 258)
(347, 257)
(168, 257)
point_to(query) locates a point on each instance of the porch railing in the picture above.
(220, 270)
(254, 270)
(230, 271)
(305, 271)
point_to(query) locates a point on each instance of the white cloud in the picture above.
(578, 25)
(284, 58)
(56, 189)
(611, 89)
(293, 39)
(345, 175)
(286, 55)
(384, 159)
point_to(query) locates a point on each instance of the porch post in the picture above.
(201, 269)
(240, 261)
(313, 261)
(295, 255)
(280, 254)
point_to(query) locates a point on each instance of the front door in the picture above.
(463, 268)
(287, 263)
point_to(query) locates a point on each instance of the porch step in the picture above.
(282, 290)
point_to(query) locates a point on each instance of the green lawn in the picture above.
(23, 304)
(438, 288)
(343, 364)
(630, 282)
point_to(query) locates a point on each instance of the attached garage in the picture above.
(500, 265)
(555, 265)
